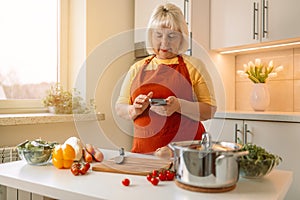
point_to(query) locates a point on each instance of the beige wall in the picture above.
(106, 23)
(223, 64)
(13, 135)
(284, 89)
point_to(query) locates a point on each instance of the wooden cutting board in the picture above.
(132, 165)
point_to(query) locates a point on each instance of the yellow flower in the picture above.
(257, 72)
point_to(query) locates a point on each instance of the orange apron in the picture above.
(152, 131)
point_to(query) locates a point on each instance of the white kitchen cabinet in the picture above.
(224, 129)
(237, 23)
(281, 138)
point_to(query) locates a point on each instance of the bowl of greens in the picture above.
(258, 163)
(36, 152)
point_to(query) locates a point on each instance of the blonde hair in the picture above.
(168, 16)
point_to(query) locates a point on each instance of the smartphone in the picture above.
(158, 102)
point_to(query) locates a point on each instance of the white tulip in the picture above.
(240, 72)
(251, 64)
(279, 68)
(257, 62)
(272, 75)
(271, 63)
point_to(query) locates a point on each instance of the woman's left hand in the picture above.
(167, 110)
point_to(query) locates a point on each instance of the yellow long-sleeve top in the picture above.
(199, 76)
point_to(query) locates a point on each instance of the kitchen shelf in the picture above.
(261, 116)
(45, 118)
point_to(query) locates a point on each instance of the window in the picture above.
(29, 53)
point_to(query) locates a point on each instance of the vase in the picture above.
(260, 97)
(52, 109)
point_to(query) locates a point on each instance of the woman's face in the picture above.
(166, 43)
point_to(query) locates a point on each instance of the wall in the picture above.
(109, 49)
(224, 84)
(13, 135)
(283, 88)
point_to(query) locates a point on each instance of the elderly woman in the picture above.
(170, 75)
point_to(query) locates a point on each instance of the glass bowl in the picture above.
(256, 168)
(36, 152)
(36, 156)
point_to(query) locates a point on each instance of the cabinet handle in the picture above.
(236, 131)
(190, 50)
(186, 11)
(255, 20)
(265, 13)
(246, 131)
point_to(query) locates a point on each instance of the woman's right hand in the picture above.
(141, 102)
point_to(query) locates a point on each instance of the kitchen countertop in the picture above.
(260, 116)
(61, 184)
(45, 118)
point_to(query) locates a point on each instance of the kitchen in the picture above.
(88, 32)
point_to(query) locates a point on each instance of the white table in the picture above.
(62, 184)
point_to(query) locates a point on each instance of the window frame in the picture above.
(36, 106)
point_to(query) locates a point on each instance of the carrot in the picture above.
(95, 152)
(98, 156)
(90, 148)
(87, 156)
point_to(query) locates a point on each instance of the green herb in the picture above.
(258, 162)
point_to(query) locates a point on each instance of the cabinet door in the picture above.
(282, 139)
(233, 23)
(282, 21)
(236, 23)
(224, 129)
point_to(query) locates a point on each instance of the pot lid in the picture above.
(196, 145)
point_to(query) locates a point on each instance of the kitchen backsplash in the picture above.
(284, 89)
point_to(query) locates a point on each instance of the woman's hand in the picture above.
(141, 102)
(167, 110)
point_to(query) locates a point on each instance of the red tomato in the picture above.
(170, 175)
(149, 176)
(155, 173)
(126, 182)
(75, 168)
(154, 180)
(84, 168)
(162, 176)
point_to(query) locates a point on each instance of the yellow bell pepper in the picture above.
(63, 156)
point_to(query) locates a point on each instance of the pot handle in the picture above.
(235, 155)
(170, 145)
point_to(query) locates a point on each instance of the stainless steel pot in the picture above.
(207, 164)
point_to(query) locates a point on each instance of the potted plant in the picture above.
(61, 101)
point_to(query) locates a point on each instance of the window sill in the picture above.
(45, 118)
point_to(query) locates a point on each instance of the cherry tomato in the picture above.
(154, 180)
(126, 182)
(84, 168)
(162, 176)
(75, 168)
(155, 173)
(170, 175)
(149, 176)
